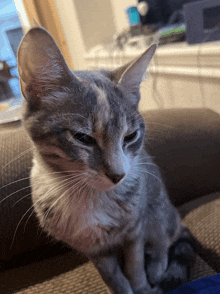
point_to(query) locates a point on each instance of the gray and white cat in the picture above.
(93, 184)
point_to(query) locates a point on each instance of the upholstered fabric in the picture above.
(86, 280)
(204, 223)
(185, 144)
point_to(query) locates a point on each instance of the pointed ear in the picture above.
(41, 65)
(129, 76)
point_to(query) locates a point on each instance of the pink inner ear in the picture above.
(41, 65)
(39, 55)
(134, 73)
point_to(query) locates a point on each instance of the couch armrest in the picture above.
(185, 143)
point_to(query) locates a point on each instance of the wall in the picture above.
(184, 76)
(119, 7)
(96, 21)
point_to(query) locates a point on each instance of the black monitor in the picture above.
(202, 21)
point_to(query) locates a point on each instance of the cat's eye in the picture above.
(131, 137)
(84, 139)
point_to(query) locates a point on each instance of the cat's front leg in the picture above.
(134, 266)
(112, 275)
(157, 265)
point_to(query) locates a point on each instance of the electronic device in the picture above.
(202, 21)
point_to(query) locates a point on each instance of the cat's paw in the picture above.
(145, 290)
(155, 269)
(154, 290)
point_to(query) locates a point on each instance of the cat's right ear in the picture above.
(41, 66)
(129, 76)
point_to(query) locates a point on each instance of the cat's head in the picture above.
(85, 123)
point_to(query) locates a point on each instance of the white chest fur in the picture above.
(85, 219)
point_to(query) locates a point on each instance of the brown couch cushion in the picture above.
(185, 144)
(204, 224)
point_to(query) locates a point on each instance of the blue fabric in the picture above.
(208, 285)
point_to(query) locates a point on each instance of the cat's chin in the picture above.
(104, 186)
(101, 183)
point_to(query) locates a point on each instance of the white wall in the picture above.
(96, 21)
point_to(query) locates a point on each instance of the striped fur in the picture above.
(93, 184)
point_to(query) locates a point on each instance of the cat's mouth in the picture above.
(101, 182)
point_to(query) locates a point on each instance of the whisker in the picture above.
(29, 186)
(155, 130)
(32, 206)
(83, 186)
(14, 193)
(144, 163)
(20, 155)
(54, 203)
(145, 157)
(37, 176)
(29, 217)
(14, 182)
(145, 171)
(62, 195)
(22, 199)
(59, 185)
(154, 123)
(152, 137)
(19, 225)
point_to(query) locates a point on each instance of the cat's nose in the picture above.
(115, 178)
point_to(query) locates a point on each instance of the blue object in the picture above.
(133, 15)
(207, 285)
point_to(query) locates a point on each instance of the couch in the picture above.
(185, 143)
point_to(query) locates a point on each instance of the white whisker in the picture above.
(19, 225)
(14, 182)
(154, 123)
(145, 171)
(13, 193)
(63, 194)
(20, 155)
(144, 163)
(22, 199)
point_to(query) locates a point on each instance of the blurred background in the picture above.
(95, 34)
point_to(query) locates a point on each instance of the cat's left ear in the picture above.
(130, 76)
(41, 66)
